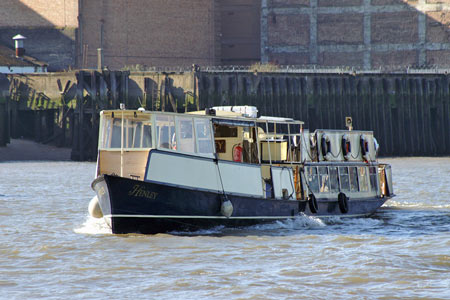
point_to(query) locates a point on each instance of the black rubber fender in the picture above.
(343, 203)
(312, 202)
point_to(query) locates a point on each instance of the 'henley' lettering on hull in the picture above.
(139, 191)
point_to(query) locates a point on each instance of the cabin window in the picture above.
(136, 134)
(353, 172)
(139, 134)
(146, 139)
(203, 136)
(165, 132)
(334, 182)
(186, 141)
(363, 182)
(105, 130)
(116, 133)
(313, 179)
(344, 179)
(225, 131)
(324, 180)
(373, 178)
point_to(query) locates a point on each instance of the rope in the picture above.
(221, 182)
(306, 181)
(359, 152)
(306, 149)
(292, 183)
(339, 153)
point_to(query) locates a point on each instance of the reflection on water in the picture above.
(51, 248)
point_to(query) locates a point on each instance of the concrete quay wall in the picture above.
(409, 112)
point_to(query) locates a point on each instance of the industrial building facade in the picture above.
(365, 34)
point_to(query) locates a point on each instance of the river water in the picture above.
(50, 248)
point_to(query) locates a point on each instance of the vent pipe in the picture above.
(100, 59)
(18, 42)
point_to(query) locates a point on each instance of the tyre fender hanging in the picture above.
(312, 202)
(343, 203)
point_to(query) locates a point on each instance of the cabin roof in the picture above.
(230, 119)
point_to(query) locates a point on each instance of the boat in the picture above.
(226, 166)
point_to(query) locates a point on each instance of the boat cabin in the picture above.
(221, 149)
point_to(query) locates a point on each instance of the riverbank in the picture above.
(24, 150)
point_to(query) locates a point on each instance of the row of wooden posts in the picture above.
(409, 113)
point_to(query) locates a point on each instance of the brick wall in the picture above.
(165, 33)
(39, 13)
(361, 33)
(151, 33)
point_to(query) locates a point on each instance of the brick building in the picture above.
(169, 32)
(49, 25)
(360, 33)
(357, 33)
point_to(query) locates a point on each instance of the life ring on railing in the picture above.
(343, 203)
(237, 153)
(346, 147)
(312, 202)
(365, 148)
(325, 146)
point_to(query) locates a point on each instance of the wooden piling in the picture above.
(409, 113)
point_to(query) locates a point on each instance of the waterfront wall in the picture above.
(409, 112)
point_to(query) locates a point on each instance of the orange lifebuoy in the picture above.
(237, 153)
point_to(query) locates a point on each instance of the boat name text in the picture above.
(139, 191)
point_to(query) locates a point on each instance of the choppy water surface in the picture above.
(50, 248)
